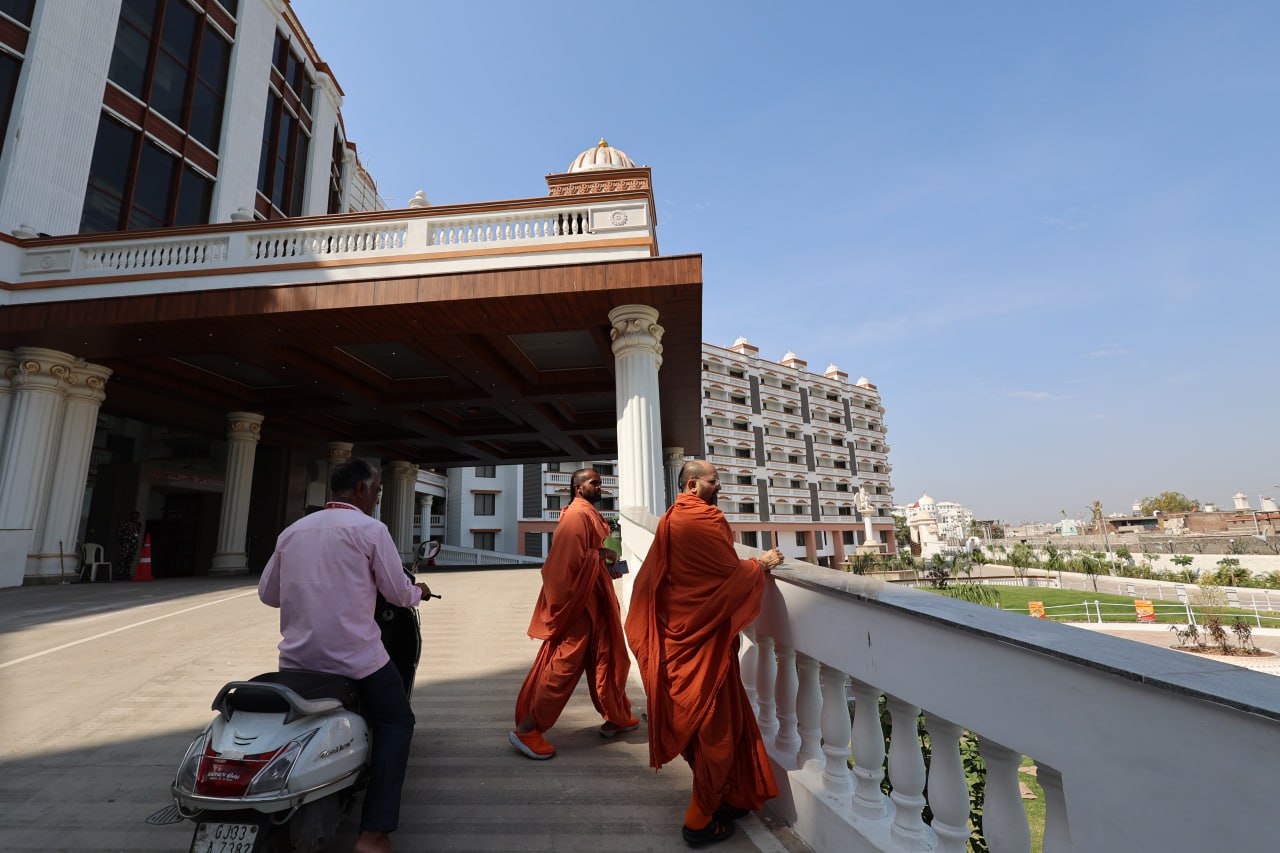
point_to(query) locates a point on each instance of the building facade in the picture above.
(803, 459)
(205, 306)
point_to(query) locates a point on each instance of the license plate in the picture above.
(224, 838)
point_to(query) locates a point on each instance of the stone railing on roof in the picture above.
(512, 233)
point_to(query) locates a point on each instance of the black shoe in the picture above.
(727, 813)
(716, 830)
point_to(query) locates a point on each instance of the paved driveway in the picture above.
(103, 685)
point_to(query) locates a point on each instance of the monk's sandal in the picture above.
(611, 729)
(714, 831)
(532, 744)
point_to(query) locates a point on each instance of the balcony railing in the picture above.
(783, 441)
(730, 432)
(710, 376)
(1018, 687)
(735, 461)
(554, 514)
(724, 405)
(787, 492)
(786, 466)
(417, 236)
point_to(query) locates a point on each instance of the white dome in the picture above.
(863, 381)
(601, 157)
(925, 500)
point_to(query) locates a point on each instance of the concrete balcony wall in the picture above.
(1136, 747)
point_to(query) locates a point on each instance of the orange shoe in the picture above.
(610, 729)
(532, 744)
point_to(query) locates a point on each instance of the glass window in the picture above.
(133, 45)
(19, 10)
(195, 194)
(152, 188)
(10, 68)
(113, 154)
(484, 541)
(487, 471)
(486, 504)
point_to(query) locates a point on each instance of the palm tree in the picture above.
(1053, 562)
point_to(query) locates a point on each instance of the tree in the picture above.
(1091, 565)
(1053, 561)
(1230, 572)
(1021, 558)
(902, 533)
(1167, 502)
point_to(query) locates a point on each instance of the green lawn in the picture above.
(1015, 598)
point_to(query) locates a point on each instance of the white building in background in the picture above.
(938, 526)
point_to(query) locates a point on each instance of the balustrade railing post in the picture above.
(835, 730)
(1004, 819)
(948, 785)
(747, 665)
(766, 675)
(808, 710)
(868, 751)
(1057, 828)
(906, 772)
(787, 742)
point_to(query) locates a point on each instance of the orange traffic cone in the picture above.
(144, 562)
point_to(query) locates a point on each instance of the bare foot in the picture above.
(373, 842)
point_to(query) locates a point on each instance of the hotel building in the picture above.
(205, 305)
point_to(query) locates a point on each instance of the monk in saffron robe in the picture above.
(692, 596)
(577, 619)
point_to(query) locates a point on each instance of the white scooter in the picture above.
(279, 766)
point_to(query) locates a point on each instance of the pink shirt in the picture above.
(324, 576)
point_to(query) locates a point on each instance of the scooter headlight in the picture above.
(190, 766)
(274, 776)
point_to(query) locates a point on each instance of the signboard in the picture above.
(1037, 609)
(1146, 612)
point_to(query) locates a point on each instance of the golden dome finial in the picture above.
(602, 144)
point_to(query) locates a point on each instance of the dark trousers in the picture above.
(391, 726)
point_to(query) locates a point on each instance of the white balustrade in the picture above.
(948, 786)
(808, 710)
(1004, 819)
(787, 742)
(510, 227)
(1022, 686)
(153, 255)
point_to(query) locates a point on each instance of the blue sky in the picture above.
(1051, 236)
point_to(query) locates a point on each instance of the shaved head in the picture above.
(581, 476)
(692, 470)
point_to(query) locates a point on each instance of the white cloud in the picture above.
(1033, 395)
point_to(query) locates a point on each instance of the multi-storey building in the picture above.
(187, 113)
(802, 457)
(204, 304)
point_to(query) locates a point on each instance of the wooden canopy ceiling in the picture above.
(470, 368)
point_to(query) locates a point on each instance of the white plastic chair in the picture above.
(93, 561)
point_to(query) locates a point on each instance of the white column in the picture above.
(7, 362)
(47, 152)
(397, 510)
(1004, 818)
(339, 452)
(424, 513)
(808, 711)
(948, 786)
(637, 351)
(243, 431)
(39, 384)
(56, 553)
(672, 461)
(906, 771)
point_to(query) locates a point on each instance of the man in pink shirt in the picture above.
(325, 574)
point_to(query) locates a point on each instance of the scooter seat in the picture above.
(315, 685)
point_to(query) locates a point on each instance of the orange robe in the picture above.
(577, 619)
(692, 596)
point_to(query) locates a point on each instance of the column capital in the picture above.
(38, 368)
(7, 361)
(244, 426)
(88, 382)
(339, 452)
(673, 455)
(401, 470)
(636, 329)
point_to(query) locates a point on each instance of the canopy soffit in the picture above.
(486, 367)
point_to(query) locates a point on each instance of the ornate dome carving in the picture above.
(601, 157)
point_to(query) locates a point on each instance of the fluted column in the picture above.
(39, 385)
(397, 510)
(339, 452)
(56, 552)
(672, 461)
(243, 431)
(424, 513)
(7, 361)
(637, 351)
